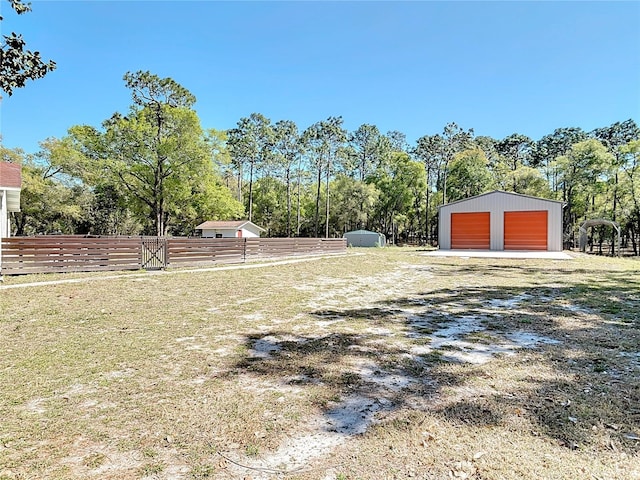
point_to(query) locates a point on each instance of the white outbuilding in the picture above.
(501, 221)
(364, 238)
(230, 229)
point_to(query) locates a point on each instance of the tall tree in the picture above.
(401, 183)
(397, 141)
(51, 200)
(469, 174)
(17, 65)
(251, 143)
(326, 140)
(367, 150)
(316, 151)
(613, 138)
(631, 167)
(289, 149)
(455, 140)
(580, 171)
(430, 150)
(353, 202)
(515, 151)
(158, 154)
(436, 153)
(550, 147)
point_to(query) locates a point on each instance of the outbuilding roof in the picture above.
(363, 232)
(501, 192)
(226, 225)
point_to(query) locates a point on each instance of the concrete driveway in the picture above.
(500, 254)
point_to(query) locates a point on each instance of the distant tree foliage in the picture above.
(17, 64)
(155, 170)
(156, 162)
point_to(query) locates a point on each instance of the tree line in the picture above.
(155, 170)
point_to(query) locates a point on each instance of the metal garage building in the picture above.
(501, 221)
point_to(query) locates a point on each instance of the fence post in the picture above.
(244, 250)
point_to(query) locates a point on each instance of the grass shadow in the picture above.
(582, 337)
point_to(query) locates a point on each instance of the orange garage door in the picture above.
(470, 230)
(525, 230)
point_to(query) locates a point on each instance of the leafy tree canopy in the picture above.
(158, 159)
(17, 64)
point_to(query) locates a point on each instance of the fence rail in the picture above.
(197, 250)
(76, 253)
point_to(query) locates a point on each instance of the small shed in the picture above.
(501, 221)
(230, 229)
(365, 238)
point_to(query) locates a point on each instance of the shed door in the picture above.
(470, 230)
(525, 230)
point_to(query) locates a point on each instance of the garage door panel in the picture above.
(470, 230)
(525, 230)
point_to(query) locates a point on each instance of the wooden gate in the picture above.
(154, 253)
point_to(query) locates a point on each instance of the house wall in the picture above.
(496, 204)
(229, 233)
(4, 215)
(248, 232)
(10, 183)
(211, 233)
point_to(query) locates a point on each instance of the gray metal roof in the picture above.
(363, 232)
(494, 192)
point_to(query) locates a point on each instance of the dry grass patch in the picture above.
(380, 364)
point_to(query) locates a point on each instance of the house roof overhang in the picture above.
(12, 197)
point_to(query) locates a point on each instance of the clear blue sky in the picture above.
(496, 67)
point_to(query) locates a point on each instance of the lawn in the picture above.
(379, 364)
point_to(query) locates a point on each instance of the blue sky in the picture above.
(496, 67)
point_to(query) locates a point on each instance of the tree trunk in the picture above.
(615, 207)
(326, 228)
(240, 183)
(251, 191)
(288, 175)
(444, 187)
(426, 216)
(317, 219)
(19, 220)
(298, 216)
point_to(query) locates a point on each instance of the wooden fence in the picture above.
(75, 253)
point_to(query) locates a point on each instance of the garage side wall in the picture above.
(496, 204)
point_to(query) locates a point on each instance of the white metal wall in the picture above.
(496, 203)
(228, 233)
